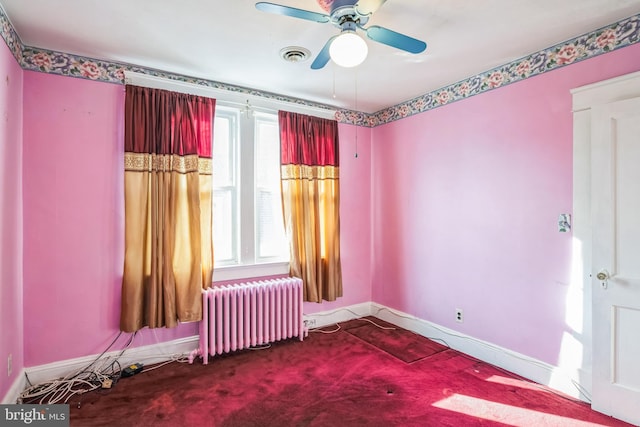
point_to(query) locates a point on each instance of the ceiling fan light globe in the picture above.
(348, 49)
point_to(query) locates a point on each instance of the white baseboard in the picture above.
(341, 314)
(525, 366)
(520, 364)
(154, 353)
(14, 391)
(571, 383)
(146, 355)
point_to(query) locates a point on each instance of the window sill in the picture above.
(238, 272)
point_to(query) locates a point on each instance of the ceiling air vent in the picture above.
(294, 54)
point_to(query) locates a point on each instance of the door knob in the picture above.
(603, 276)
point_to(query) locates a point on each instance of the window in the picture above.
(249, 240)
(248, 228)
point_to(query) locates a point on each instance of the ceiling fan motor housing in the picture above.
(330, 5)
(346, 16)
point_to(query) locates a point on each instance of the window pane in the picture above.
(270, 235)
(225, 190)
(268, 152)
(248, 227)
(223, 153)
(224, 241)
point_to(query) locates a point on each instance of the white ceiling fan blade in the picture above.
(367, 7)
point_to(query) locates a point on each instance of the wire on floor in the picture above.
(321, 330)
(102, 370)
(581, 390)
(260, 347)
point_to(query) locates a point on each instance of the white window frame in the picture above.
(240, 100)
(247, 262)
(234, 185)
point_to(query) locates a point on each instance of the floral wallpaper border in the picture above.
(603, 40)
(65, 64)
(10, 36)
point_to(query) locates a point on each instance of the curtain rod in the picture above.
(225, 96)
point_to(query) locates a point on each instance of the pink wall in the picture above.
(11, 281)
(452, 208)
(73, 219)
(73, 201)
(465, 204)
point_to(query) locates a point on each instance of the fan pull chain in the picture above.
(334, 82)
(356, 107)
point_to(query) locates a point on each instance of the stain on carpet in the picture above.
(400, 343)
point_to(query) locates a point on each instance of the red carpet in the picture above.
(400, 343)
(332, 380)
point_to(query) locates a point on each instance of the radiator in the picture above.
(240, 316)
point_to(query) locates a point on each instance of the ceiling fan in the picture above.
(347, 49)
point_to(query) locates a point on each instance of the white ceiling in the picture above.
(233, 43)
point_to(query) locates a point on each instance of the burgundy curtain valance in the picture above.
(308, 140)
(164, 122)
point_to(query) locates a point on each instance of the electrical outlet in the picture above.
(459, 317)
(9, 365)
(310, 323)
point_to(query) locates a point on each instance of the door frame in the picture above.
(584, 98)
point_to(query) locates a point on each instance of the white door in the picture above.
(615, 173)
